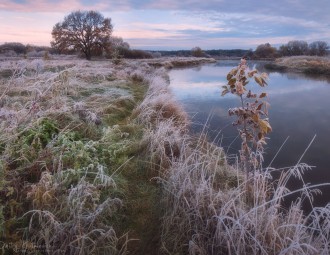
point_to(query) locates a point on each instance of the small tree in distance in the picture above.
(197, 52)
(265, 51)
(318, 48)
(86, 31)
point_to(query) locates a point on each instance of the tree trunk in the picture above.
(88, 53)
(88, 56)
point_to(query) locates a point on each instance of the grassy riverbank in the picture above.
(80, 147)
(177, 62)
(96, 158)
(304, 64)
(72, 157)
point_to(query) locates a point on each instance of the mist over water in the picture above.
(300, 109)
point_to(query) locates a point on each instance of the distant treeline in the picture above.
(292, 48)
(263, 51)
(122, 49)
(198, 52)
(119, 49)
(12, 49)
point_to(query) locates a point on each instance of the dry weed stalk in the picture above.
(250, 115)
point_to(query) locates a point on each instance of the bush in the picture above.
(197, 52)
(133, 54)
(18, 48)
(265, 51)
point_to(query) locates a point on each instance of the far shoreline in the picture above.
(301, 64)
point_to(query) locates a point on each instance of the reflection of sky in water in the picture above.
(300, 108)
(205, 82)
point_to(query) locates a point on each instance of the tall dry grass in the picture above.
(208, 213)
(74, 220)
(165, 124)
(211, 207)
(312, 65)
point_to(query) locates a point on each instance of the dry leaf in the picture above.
(265, 126)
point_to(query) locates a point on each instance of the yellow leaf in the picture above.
(232, 82)
(263, 95)
(265, 126)
(232, 73)
(260, 81)
(250, 74)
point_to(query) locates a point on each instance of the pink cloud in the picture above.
(48, 6)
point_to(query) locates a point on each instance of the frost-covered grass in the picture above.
(178, 62)
(70, 156)
(210, 210)
(210, 206)
(306, 64)
(96, 158)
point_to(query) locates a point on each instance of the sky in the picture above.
(176, 24)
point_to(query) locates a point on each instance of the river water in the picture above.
(300, 109)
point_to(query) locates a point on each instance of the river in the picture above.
(300, 109)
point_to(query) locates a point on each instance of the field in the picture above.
(97, 158)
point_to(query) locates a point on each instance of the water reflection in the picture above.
(299, 110)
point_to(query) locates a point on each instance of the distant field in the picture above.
(305, 64)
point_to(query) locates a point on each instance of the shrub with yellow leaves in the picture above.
(252, 115)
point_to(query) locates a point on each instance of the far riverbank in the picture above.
(304, 64)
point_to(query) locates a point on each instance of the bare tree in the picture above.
(296, 48)
(283, 50)
(318, 48)
(86, 31)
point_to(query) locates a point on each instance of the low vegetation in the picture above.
(96, 158)
(177, 62)
(306, 64)
(72, 156)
